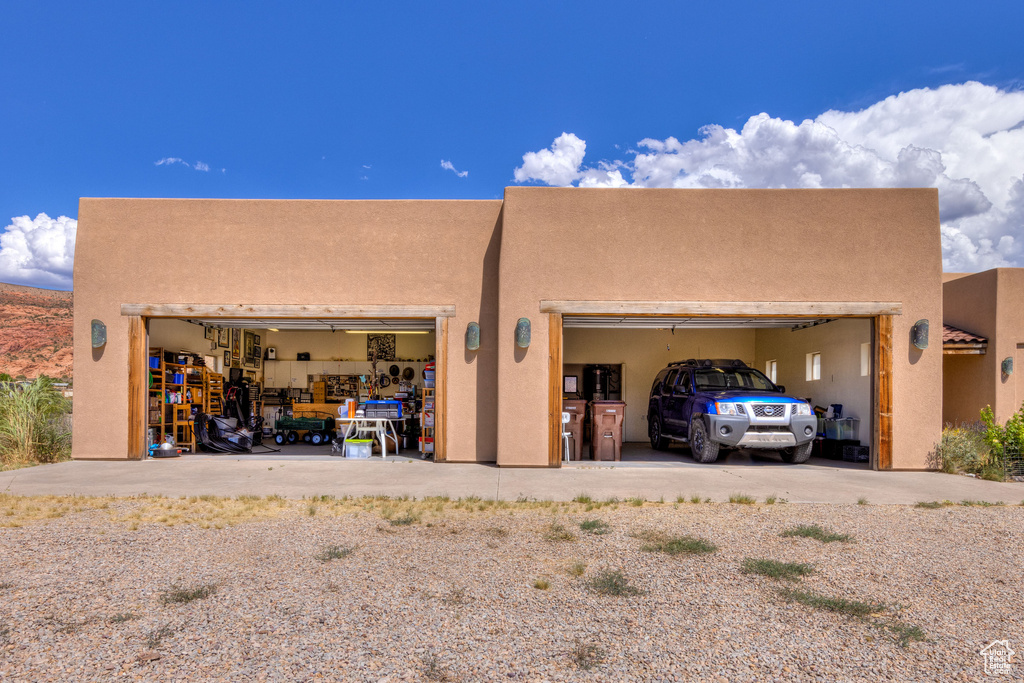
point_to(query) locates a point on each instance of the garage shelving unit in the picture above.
(427, 422)
(201, 390)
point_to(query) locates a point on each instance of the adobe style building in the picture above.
(624, 278)
(983, 359)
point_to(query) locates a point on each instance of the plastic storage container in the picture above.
(844, 429)
(358, 449)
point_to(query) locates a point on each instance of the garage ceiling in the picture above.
(645, 322)
(321, 324)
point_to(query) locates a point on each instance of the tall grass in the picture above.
(35, 424)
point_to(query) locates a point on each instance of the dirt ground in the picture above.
(377, 589)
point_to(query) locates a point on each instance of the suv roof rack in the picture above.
(710, 363)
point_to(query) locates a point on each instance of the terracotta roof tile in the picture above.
(953, 335)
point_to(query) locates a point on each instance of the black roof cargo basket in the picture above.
(710, 363)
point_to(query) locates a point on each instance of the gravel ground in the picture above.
(451, 596)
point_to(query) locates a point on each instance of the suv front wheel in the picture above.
(797, 454)
(658, 440)
(703, 449)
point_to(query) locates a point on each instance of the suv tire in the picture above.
(797, 454)
(658, 440)
(703, 449)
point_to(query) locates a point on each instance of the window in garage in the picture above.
(813, 366)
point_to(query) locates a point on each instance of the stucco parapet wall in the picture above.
(723, 308)
(170, 310)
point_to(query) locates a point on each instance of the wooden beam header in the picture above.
(811, 309)
(319, 311)
(964, 349)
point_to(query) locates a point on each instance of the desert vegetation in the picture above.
(35, 423)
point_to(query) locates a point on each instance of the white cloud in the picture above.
(448, 166)
(38, 252)
(559, 165)
(198, 166)
(967, 140)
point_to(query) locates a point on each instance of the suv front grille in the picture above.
(769, 410)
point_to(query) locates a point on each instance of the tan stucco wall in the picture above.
(718, 245)
(643, 353)
(289, 252)
(839, 343)
(541, 243)
(988, 304)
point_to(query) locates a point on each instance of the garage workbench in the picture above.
(377, 426)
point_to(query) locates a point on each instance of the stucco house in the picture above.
(628, 279)
(984, 368)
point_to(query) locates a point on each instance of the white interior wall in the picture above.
(322, 345)
(839, 343)
(643, 353)
(342, 346)
(178, 335)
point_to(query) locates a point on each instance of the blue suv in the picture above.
(716, 404)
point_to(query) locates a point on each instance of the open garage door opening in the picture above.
(735, 390)
(280, 386)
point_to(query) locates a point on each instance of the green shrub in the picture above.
(790, 571)
(35, 424)
(682, 545)
(612, 582)
(963, 448)
(1002, 441)
(595, 526)
(177, 594)
(816, 532)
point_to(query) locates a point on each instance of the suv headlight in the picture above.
(729, 409)
(801, 408)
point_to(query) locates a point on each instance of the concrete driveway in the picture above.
(298, 476)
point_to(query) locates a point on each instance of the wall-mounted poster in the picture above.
(224, 338)
(236, 343)
(210, 333)
(227, 359)
(249, 346)
(256, 362)
(383, 344)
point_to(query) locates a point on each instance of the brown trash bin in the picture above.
(577, 409)
(606, 418)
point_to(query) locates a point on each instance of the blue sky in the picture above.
(365, 100)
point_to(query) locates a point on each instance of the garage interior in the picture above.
(826, 361)
(261, 381)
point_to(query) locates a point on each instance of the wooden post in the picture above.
(555, 390)
(441, 390)
(138, 388)
(883, 391)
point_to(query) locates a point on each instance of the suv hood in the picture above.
(749, 396)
